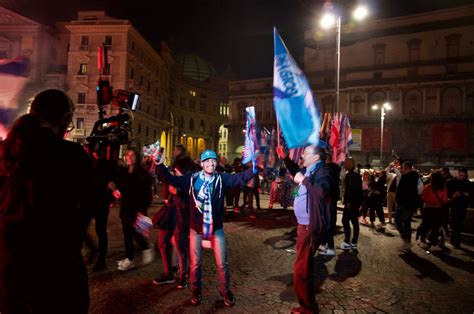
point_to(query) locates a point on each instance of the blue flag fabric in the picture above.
(295, 108)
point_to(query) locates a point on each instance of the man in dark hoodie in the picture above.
(207, 192)
(407, 199)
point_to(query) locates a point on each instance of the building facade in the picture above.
(133, 65)
(180, 97)
(423, 65)
(42, 44)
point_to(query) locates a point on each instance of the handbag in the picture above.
(162, 217)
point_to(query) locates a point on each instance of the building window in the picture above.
(141, 80)
(139, 128)
(149, 86)
(132, 73)
(242, 113)
(192, 104)
(202, 126)
(82, 69)
(379, 54)
(412, 102)
(452, 45)
(202, 106)
(147, 131)
(191, 124)
(80, 123)
(358, 105)
(267, 115)
(108, 41)
(84, 43)
(259, 115)
(81, 98)
(414, 49)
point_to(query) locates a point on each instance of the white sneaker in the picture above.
(354, 246)
(148, 256)
(322, 248)
(345, 246)
(125, 265)
(328, 252)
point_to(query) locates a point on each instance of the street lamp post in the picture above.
(328, 20)
(385, 106)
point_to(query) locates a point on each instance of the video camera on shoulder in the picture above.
(115, 129)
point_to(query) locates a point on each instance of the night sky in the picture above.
(226, 32)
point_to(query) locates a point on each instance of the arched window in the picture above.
(376, 98)
(451, 101)
(412, 102)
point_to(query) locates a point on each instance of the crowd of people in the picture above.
(51, 189)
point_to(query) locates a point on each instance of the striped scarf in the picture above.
(204, 203)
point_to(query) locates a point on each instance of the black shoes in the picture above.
(229, 299)
(164, 279)
(196, 298)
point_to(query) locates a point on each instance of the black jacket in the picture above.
(353, 189)
(407, 190)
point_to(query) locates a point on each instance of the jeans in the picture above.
(220, 254)
(350, 215)
(403, 221)
(303, 277)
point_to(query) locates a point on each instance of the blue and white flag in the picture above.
(295, 108)
(251, 141)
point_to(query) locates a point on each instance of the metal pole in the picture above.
(338, 59)
(382, 116)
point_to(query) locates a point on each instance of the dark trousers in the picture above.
(303, 277)
(248, 197)
(403, 221)
(375, 206)
(236, 196)
(431, 224)
(101, 218)
(329, 235)
(129, 234)
(166, 249)
(350, 216)
(457, 217)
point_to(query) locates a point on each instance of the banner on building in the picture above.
(356, 145)
(448, 136)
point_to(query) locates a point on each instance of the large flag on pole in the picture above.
(297, 115)
(251, 141)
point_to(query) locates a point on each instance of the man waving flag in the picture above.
(295, 108)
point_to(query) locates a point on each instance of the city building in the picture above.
(422, 64)
(199, 95)
(42, 44)
(133, 65)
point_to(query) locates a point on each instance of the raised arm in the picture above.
(181, 182)
(238, 179)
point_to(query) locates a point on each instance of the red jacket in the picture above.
(433, 198)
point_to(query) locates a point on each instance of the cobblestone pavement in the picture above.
(377, 278)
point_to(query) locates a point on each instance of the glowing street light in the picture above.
(386, 106)
(327, 21)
